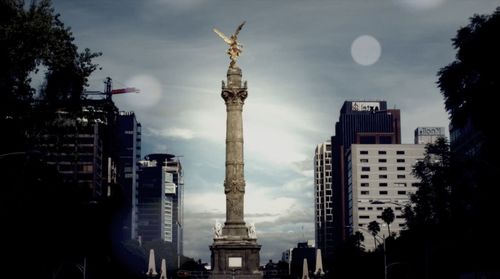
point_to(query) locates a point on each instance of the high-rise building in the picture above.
(82, 148)
(362, 122)
(323, 198)
(175, 189)
(129, 155)
(425, 135)
(160, 203)
(380, 176)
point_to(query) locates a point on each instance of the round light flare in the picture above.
(366, 50)
(420, 4)
(150, 91)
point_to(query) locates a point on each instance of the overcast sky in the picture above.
(302, 60)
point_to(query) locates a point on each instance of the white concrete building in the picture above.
(425, 135)
(380, 176)
(323, 201)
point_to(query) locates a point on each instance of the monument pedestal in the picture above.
(235, 256)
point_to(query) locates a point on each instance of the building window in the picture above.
(365, 168)
(383, 192)
(363, 160)
(383, 184)
(401, 168)
(367, 140)
(382, 152)
(382, 160)
(364, 176)
(365, 192)
(380, 208)
(400, 160)
(363, 152)
(401, 176)
(364, 217)
(401, 192)
(382, 168)
(385, 140)
(361, 208)
(382, 176)
(87, 168)
(415, 184)
(365, 184)
(400, 152)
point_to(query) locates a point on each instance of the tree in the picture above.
(30, 39)
(374, 229)
(388, 218)
(358, 238)
(432, 200)
(470, 83)
(470, 86)
(355, 241)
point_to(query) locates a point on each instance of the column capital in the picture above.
(234, 95)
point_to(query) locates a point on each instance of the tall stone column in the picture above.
(234, 95)
(235, 251)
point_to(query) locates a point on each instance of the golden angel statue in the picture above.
(235, 48)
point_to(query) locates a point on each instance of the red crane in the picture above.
(109, 91)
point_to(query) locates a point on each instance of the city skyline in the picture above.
(299, 65)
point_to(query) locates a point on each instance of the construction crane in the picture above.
(109, 91)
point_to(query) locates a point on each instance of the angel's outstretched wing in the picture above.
(226, 39)
(239, 28)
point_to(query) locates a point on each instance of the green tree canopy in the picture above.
(33, 37)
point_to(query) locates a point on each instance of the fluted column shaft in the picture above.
(234, 96)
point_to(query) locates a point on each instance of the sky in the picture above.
(302, 60)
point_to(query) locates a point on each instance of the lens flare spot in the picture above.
(365, 50)
(150, 91)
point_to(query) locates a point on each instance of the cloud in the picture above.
(420, 5)
(180, 4)
(300, 185)
(174, 132)
(304, 167)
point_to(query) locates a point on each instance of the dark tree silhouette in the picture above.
(388, 218)
(471, 83)
(358, 238)
(470, 87)
(374, 229)
(432, 201)
(30, 39)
